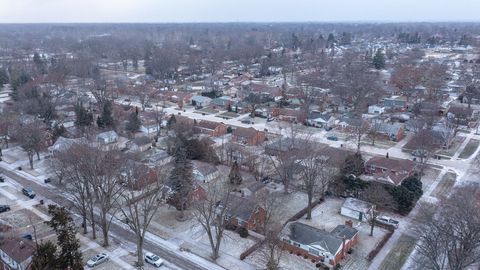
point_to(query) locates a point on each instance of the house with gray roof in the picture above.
(327, 248)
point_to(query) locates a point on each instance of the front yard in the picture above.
(399, 254)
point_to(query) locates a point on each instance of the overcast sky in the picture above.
(31, 11)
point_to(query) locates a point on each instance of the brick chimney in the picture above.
(349, 223)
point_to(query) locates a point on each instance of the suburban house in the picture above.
(210, 128)
(393, 132)
(244, 212)
(221, 102)
(63, 144)
(107, 137)
(248, 136)
(321, 246)
(356, 209)
(318, 119)
(459, 115)
(155, 157)
(389, 170)
(376, 109)
(139, 144)
(290, 115)
(395, 102)
(200, 101)
(16, 253)
(204, 172)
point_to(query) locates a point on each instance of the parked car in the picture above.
(332, 138)
(2, 179)
(97, 259)
(4, 208)
(387, 221)
(29, 193)
(153, 259)
(27, 236)
(47, 180)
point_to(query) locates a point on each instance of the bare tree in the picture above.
(32, 138)
(212, 217)
(316, 174)
(142, 199)
(405, 78)
(357, 130)
(449, 235)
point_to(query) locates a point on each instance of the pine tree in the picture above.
(172, 121)
(45, 256)
(379, 60)
(134, 122)
(62, 223)
(106, 120)
(82, 116)
(234, 176)
(181, 177)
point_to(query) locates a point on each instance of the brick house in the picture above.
(393, 132)
(248, 136)
(389, 170)
(320, 246)
(290, 115)
(244, 212)
(16, 253)
(210, 128)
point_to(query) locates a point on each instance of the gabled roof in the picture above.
(17, 248)
(245, 132)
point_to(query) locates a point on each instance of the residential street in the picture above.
(183, 260)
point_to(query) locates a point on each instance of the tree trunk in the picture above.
(38, 155)
(372, 226)
(92, 222)
(309, 206)
(105, 231)
(30, 160)
(139, 251)
(85, 231)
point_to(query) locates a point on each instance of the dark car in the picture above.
(29, 193)
(2, 179)
(47, 180)
(332, 138)
(27, 236)
(4, 208)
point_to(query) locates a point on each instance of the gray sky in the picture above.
(31, 11)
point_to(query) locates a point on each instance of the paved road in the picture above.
(126, 235)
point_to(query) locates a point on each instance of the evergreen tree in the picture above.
(353, 164)
(62, 223)
(3, 77)
(379, 60)
(134, 122)
(234, 176)
(172, 121)
(105, 119)
(45, 256)
(181, 177)
(82, 116)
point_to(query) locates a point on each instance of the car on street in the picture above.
(28, 236)
(47, 180)
(29, 193)
(332, 138)
(97, 259)
(4, 208)
(387, 221)
(2, 179)
(153, 259)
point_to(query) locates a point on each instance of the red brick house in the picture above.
(389, 170)
(210, 128)
(290, 115)
(244, 212)
(248, 136)
(320, 246)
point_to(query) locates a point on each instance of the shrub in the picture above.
(243, 232)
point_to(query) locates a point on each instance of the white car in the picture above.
(387, 221)
(97, 259)
(153, 259)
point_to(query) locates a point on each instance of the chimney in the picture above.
(349, 223)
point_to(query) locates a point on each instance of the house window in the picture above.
(296, 244)
(313, 251)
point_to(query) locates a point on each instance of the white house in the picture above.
(107, 137)
(357, 209)
(376, 109)
(200, 101)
